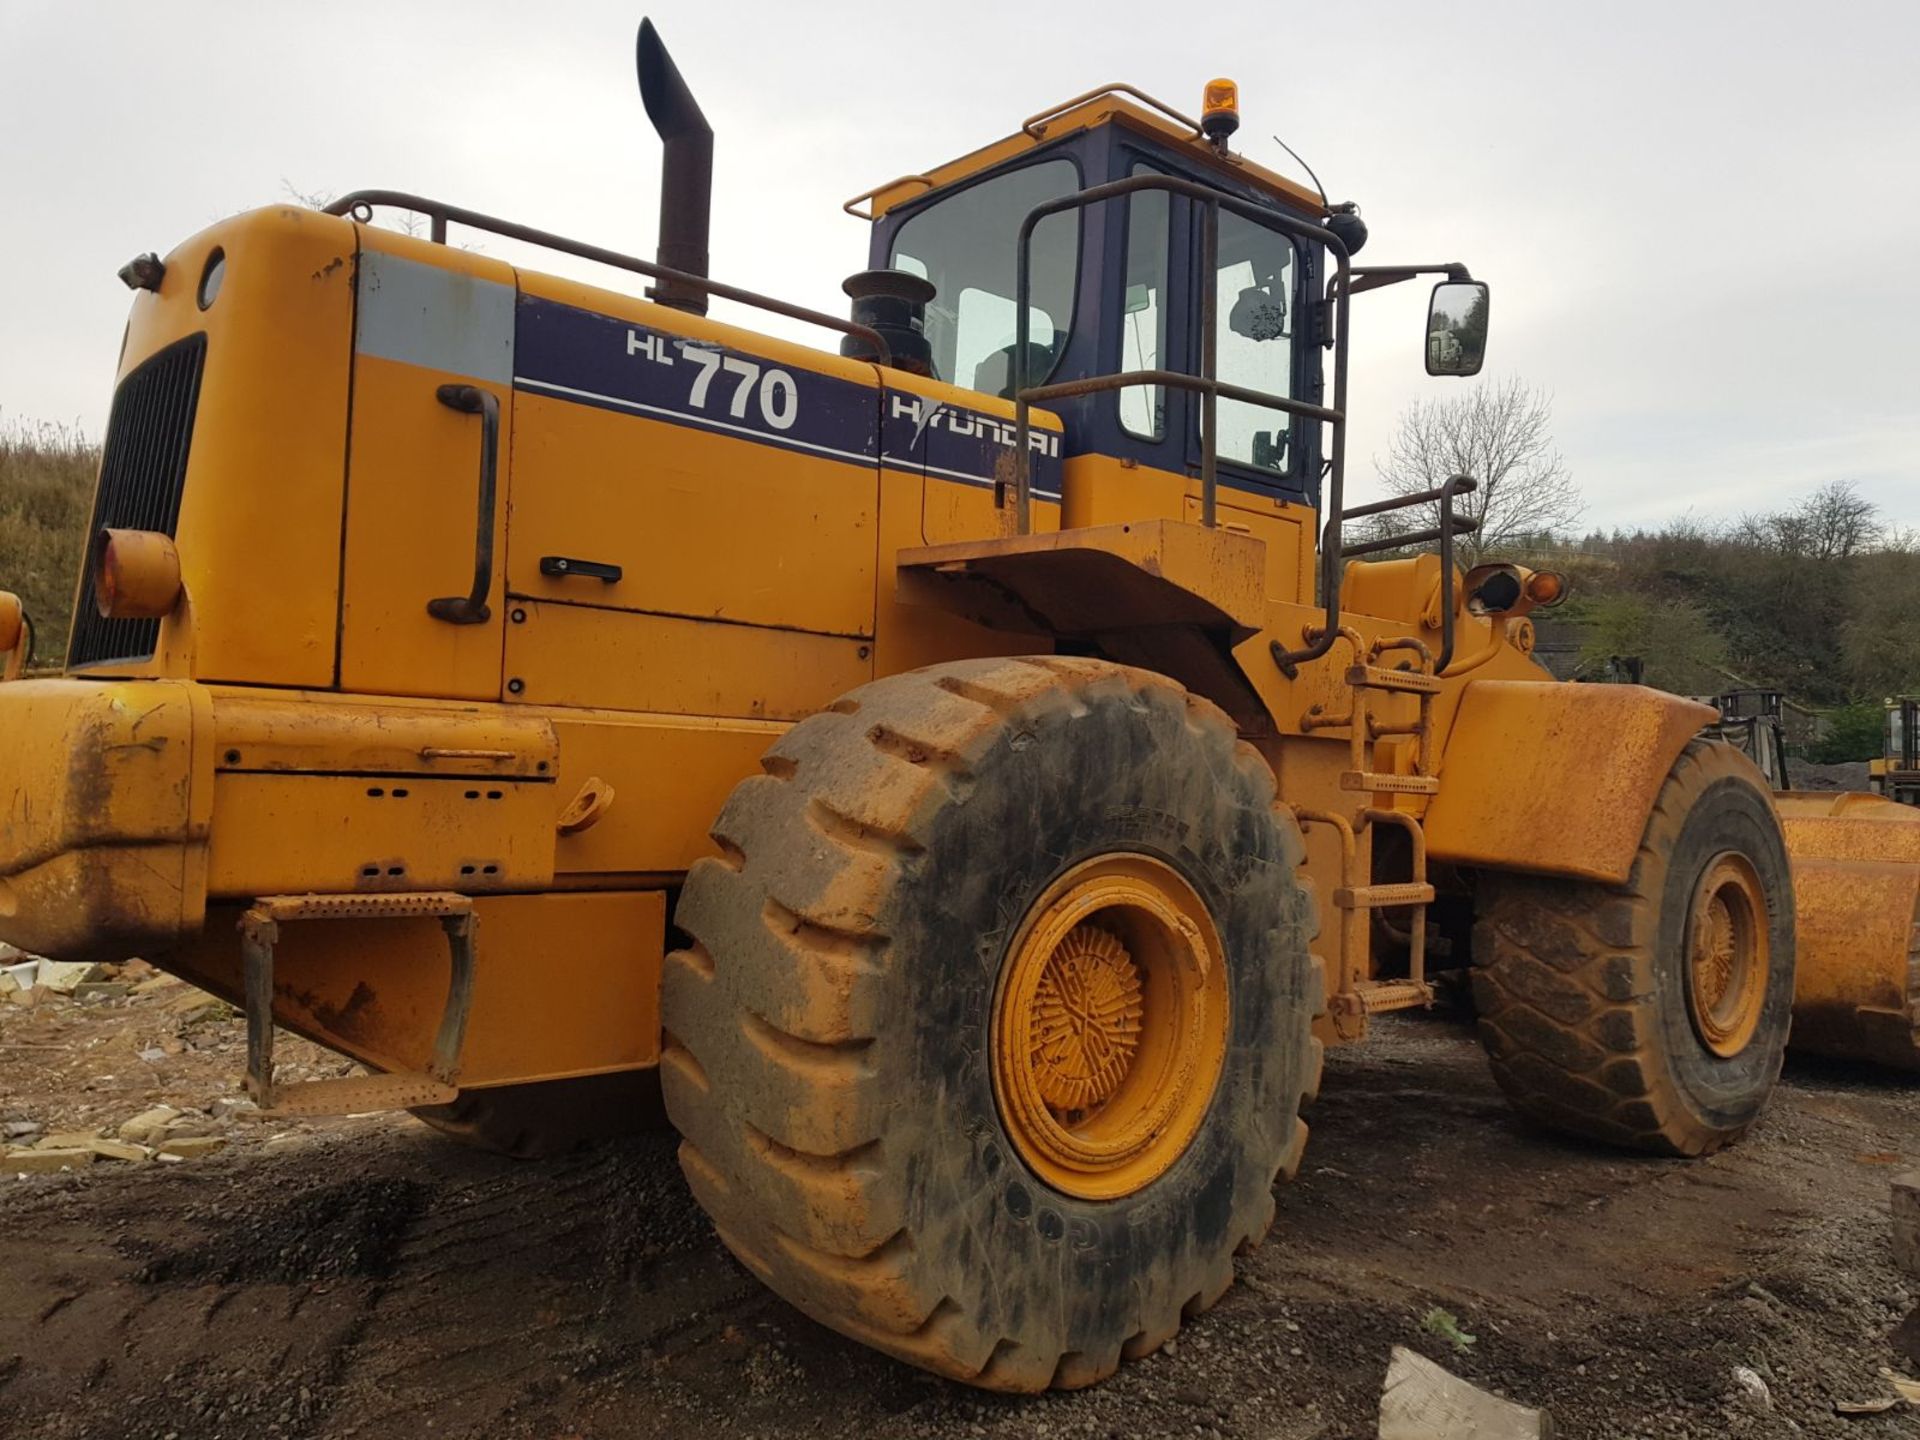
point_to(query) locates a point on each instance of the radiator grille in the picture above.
(142, 473)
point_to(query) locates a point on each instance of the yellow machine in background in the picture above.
(1896, 774)
(932, 763)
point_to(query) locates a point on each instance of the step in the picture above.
(1411, 682)
(1382, 897)
(393, 905)
(1374, 782)
(400, 1090)
(1379, 996)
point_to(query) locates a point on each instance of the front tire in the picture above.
(995, 1027)
(1652, 1015)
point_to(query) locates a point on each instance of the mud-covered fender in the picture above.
(1556, 778)
(106, 796)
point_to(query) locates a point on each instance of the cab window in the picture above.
(1143, 320)
(966, 245)
(1255, 287)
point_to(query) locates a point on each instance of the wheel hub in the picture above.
(1110, 1026)
(1727, 955)
(1086, 1020)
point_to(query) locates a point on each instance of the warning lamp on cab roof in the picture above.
(1220, 112)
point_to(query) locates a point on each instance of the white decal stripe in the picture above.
(974, 480)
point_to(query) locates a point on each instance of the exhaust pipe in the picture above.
(686, 170)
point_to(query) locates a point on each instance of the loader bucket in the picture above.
(1856, 890)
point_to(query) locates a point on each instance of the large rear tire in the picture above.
(995, 1026)
(1652, 1015)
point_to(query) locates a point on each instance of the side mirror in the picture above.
(1457, 328)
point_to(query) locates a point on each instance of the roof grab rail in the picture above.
(881, 189)
(1033, 124)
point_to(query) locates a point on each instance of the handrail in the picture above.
(878, 190)
(1031, 125)
(1450, 526)
(1127, 379)
(471, 608)
(1206, 383)
(439, 213)
(1176, 380)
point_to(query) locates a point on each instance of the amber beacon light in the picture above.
(1220, 111)
(136, 574)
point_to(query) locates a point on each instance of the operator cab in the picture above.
(1116, 286)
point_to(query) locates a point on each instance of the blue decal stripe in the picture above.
(589, 358)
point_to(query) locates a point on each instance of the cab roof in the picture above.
(1118, 104)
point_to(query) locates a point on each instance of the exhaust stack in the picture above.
(686, 170)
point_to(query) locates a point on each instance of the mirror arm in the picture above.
(1373, 277)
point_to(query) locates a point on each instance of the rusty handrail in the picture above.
(880, 189)
(439, 213)
(1450, 525)
(1033, 123)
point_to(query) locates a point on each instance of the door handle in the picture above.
(471, 609)
(560, 567)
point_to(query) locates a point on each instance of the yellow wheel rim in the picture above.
(1727, 955)
(1110, 1026)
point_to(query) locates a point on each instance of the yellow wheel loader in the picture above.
(969, 772)
(1896, 773)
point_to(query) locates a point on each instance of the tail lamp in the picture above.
(1503, 589)
(136, 574)
(13, 622)
(1546, 587)
(16, 636)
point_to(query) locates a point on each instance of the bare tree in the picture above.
(1836, 522)
(1500, 434)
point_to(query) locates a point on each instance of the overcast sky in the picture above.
(1701, 222)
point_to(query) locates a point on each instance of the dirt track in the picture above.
(370, 1279)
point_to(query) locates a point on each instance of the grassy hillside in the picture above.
(1817, 601)
(46, 493)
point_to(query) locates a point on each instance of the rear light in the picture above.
(16, 639)
(136, 574)
(13, 622)
(1546, 587)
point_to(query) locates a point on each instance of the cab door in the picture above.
(1261, 330)
(1259, 317)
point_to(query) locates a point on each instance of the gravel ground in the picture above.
(367, 1278)
(1806, 775)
